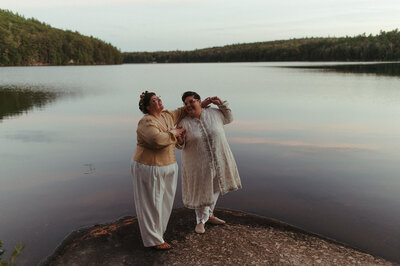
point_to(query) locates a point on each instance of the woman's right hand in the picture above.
(181, 137)
(215, 100)
(178, 131)
(206, 102)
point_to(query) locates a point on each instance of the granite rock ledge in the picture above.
(245, 239)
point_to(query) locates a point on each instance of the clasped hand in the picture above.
(211, 100)
(180, 134)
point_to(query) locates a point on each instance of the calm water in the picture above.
(316, 149)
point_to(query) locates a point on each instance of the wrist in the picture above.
(174, 132)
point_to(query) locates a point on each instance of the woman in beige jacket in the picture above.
(154, 168)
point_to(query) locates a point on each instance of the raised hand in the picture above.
(206, 102)
(215, 100)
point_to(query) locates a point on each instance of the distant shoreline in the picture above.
(330, 63)
(384, 46)
(30, 42)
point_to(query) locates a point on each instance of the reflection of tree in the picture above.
(387, 69)
(17, 101)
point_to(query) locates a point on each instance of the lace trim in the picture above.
(204, 136)
(214, 156)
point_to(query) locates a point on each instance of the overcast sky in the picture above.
(154, 25)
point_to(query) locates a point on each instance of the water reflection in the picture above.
(316, 150)
(330, 193)
(32, 136)
(16, 101)
(386, 69)
(291, 143)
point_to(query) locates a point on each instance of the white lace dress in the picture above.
(206, 155)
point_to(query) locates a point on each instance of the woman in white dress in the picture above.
(154, 168)
(208, 165)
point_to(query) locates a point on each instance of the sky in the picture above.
(166, 25)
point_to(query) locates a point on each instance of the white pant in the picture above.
(154, 192)
(204, 213)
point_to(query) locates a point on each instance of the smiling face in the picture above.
(192, 106)
(155, 105)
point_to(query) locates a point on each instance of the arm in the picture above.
(153, 137)
(226, 112)
(224, 108)
(178, 114)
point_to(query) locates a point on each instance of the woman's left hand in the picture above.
(215, 100)
(181, 137)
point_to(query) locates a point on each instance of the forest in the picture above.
(26, 42)
(384, 46)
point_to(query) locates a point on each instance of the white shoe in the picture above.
(215, 220)
(200, 228)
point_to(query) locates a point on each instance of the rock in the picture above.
(244, 240)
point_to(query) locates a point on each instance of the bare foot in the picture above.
(215, 220)
(163, 246)
(200, 228)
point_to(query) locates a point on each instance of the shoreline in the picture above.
(245, 239)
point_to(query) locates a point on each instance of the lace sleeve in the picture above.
(226, 112)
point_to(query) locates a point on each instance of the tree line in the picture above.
(31, 42)
(384, 46)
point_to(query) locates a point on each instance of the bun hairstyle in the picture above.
(145, 101)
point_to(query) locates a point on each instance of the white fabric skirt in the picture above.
(154, 192)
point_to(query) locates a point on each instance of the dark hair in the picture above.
(190, 93)
(145, 101)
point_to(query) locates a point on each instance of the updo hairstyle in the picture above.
(145, 101)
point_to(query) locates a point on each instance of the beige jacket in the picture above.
(155, 143)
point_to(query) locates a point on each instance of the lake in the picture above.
(317, 148)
